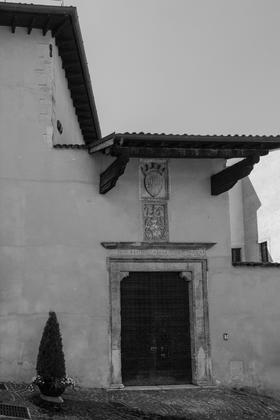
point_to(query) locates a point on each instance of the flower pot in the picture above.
(51, 389)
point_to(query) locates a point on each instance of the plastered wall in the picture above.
(53, 219)
(243, 302)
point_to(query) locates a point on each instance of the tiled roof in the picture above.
(184, 145)
(71, 146)
(197, 136)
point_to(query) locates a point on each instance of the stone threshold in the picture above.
(158, 387)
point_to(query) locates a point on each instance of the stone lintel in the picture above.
(158, 245)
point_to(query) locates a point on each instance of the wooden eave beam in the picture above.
(227, 178)
(182, 153)
(253, 141)
(110, 176)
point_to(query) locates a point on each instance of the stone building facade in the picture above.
(127, 237)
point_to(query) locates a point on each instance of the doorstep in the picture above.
(153, 387)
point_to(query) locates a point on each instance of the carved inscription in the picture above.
(155, 221)
(166, 253)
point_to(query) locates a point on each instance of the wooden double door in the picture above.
(155, 329)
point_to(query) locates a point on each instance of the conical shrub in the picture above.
(50, 360)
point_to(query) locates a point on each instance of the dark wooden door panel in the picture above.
(155, 338)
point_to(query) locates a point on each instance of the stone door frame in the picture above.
(195, 273)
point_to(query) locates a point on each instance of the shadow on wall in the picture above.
(251, 205)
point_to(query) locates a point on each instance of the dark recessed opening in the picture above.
(155, 329)
(236, 255)
(59, 127)
(264, 252)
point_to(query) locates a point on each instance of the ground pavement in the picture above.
(213, 403)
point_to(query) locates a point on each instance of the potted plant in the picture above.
(51, 376)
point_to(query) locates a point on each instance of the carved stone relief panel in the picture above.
(153, 179)
(155, 221)
(154, 195)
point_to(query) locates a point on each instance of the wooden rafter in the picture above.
(46, 26)
(74, 75)
(226, 179)
(83, 113)
(109, 177)
(56, 31)
(67, 53)
(65, 46)
(78, 87)
(85, 120)
(13, 24)
(71, 63)
(31, 25)
(82, 98)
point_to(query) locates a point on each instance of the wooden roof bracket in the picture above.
(109, 177)
(226, 179)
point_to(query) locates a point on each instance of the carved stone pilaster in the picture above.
(116, 278)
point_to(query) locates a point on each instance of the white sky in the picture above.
(184, 66)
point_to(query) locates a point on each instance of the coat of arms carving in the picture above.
(154, 180)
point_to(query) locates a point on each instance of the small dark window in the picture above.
(236, 255)
(59, 127)
(264, 252)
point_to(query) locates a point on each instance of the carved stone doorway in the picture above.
(191, 271)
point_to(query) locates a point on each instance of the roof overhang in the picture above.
(140, 145)
(64, 26)
(135, 145)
